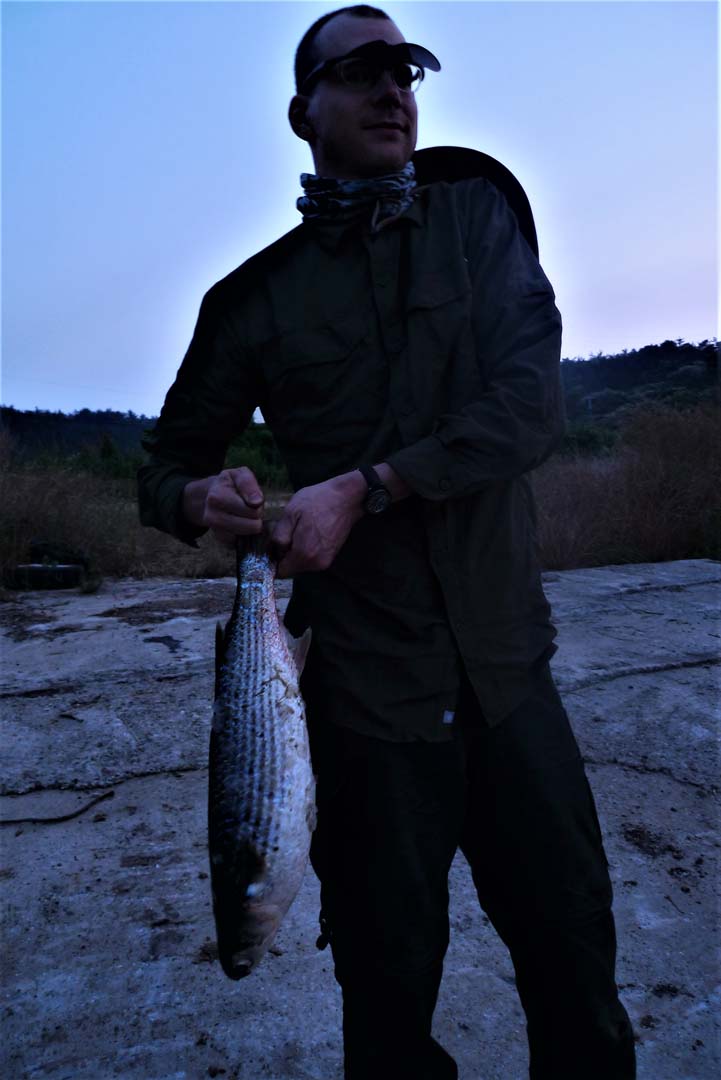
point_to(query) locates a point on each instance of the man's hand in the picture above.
(316, 522)
(230, 504)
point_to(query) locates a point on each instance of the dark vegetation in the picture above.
(638, 478)
(107, 444)
(604, 392)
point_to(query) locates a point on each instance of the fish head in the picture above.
(243, 943)
(237, 966)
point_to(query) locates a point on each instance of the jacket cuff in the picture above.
(165, 511)
(429, 469)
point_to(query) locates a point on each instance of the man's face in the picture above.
(358, 133)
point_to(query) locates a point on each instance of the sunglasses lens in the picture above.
(358, 73)
(407, 76)
(362, 75)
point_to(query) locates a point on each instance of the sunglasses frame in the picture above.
(379, 69)
(369, 52)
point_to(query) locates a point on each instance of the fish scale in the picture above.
(261, 791)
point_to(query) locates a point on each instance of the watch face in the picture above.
(378, 501)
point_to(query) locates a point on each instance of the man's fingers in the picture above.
(234, 506)
(283, 532)
(225, 498)
(281, 541)
(237, 524)
(246, 485)
(300, 562)
(287, 567)
(241, 526)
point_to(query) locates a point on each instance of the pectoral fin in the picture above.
(298, 648)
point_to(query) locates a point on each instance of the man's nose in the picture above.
(386, 88)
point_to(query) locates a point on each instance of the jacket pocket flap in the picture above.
(439, 285)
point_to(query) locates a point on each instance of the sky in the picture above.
(146, 153)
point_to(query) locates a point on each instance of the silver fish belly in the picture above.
(261, 792)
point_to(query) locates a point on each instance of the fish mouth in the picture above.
(245, 932)
(237, 967)
(237, 956)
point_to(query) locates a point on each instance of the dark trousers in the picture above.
(516, 799)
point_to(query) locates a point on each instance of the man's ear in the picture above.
(297, 115)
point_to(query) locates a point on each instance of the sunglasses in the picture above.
(361, 68)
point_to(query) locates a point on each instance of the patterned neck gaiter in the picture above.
(330, 201)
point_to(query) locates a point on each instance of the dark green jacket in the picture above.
(434, 345)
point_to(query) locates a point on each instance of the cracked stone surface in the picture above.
(109, 962)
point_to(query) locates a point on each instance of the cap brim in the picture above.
(404, 50)
(418, 55)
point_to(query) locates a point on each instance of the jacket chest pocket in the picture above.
(441, 350)
(438, 307)
(318, 376)
(437, 287)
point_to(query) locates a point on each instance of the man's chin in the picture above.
(368, 162)
(380, 164)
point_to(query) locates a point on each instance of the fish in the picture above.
(261, 787)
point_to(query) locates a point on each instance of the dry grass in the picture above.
(655, 498)
(99, 519)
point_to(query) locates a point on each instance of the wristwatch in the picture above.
(378, 497)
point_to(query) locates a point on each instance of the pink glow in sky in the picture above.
(146, 153)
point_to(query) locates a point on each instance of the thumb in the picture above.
(247, 486)
(283, 532)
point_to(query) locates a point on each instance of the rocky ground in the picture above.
(109, 967)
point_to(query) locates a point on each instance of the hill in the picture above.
(604, 388)
(42, 431)
(600, 393)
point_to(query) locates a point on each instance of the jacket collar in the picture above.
(333, 235)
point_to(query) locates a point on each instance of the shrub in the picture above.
(256, 449)
(655, 496)
(95, 515)
(587, 439)
(658, 497)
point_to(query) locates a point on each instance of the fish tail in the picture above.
(254, 544)
(258, 545)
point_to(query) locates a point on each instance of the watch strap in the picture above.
(371, 478)
(378, 497)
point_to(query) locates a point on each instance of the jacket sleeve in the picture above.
(518, 419)
(211, 401)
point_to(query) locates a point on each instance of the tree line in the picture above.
(601, 395)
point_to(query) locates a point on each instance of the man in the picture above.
(404, 345)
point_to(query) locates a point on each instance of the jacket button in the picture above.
(444, 484)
